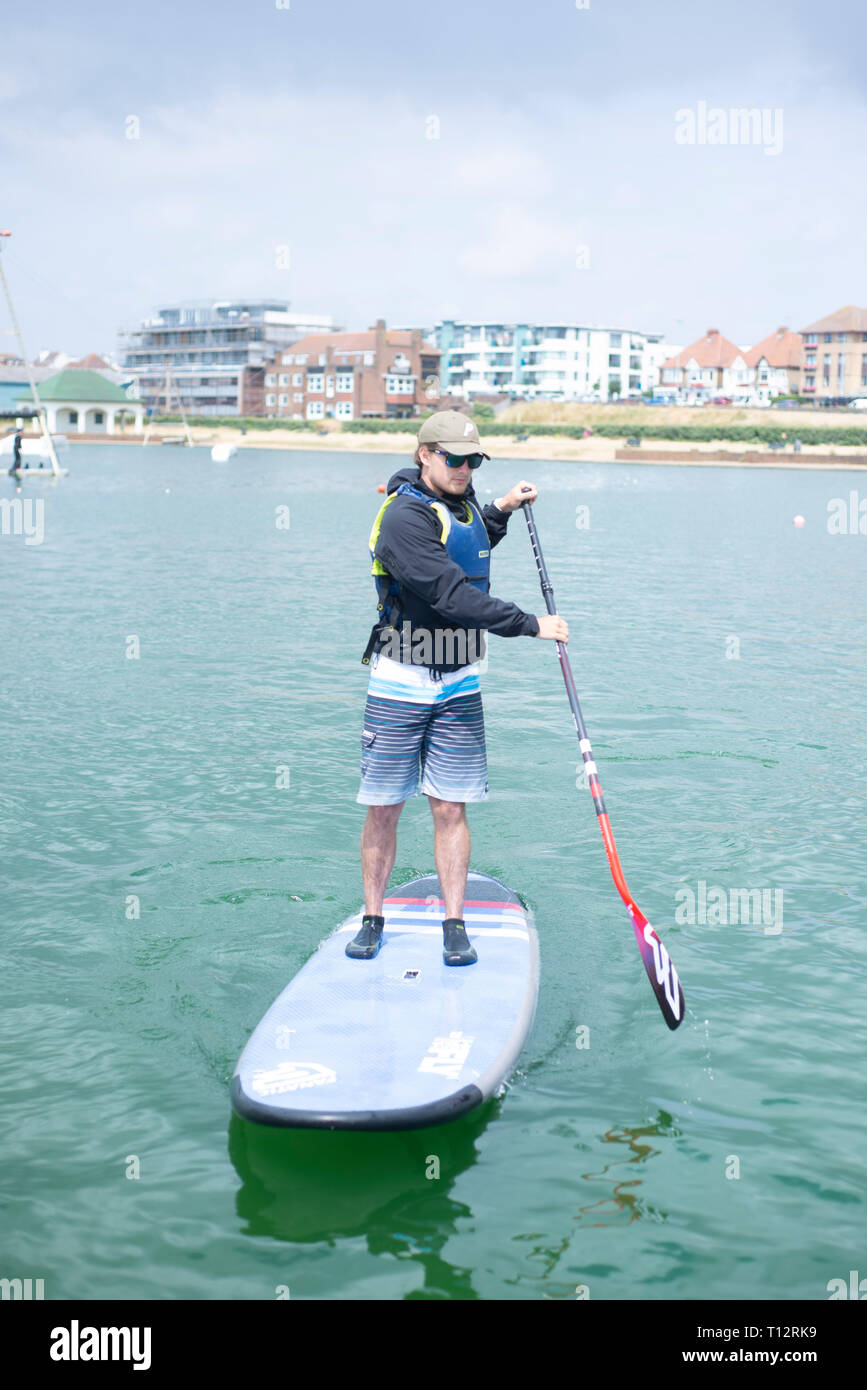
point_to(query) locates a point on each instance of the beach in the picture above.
(595, 448)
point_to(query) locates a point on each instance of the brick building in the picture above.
(835, 355)
(392, 373)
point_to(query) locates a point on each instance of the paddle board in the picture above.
(403, 1040)
(31, 472)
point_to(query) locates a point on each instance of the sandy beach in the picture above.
(595, 448)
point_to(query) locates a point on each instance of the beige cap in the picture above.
(456, 432)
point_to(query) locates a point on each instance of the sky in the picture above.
(553, 160)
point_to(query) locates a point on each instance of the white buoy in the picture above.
(221, 453)
(798, 521)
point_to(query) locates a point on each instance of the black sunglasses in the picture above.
(457, 460)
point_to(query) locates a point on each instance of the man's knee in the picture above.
(384, 817)
(447, 812)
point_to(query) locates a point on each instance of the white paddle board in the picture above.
(403, 1040)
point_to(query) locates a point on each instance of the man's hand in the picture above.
(553, 627)
(516, 496)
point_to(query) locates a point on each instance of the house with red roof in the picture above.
(776, 365)
(392, 373)
(711, 366)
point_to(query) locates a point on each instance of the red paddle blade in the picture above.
(660, 969)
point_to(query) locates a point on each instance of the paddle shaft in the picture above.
(580, 726)
(659, 967)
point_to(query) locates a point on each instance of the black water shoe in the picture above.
(366, 944)
(456, 948)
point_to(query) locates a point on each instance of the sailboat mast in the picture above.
(181, 408)
(30, 377)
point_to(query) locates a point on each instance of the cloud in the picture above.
(484, 221)
(519, 243)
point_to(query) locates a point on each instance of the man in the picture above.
(16, 449)
(430, 547)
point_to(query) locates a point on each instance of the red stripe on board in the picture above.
(468, 902)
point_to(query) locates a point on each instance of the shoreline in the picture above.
(595, 449)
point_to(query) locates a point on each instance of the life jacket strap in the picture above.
(372, 641)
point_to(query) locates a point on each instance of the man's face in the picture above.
(447, 482)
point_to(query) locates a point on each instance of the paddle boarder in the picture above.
(16, 450)
(430, 551)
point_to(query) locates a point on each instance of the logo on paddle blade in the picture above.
(291, 1076)
(666, 975)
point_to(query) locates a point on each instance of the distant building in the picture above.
(387, 372)
(95, 362)
(52, 360)
(14, 383)
(775, 363)
(216, 350)
(656, 354)
(49, 362)
(711, 366)
(84, 402)
(543, 361)
(835, 355)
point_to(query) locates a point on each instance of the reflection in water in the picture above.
(639, 1150)
(306, 1186)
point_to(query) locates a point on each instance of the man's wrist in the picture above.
(499, 503)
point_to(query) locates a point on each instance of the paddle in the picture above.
(657, 962)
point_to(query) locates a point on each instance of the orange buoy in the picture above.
(380, 487)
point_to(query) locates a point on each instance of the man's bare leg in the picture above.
(451, 852)
(452, 856)
(378, 852)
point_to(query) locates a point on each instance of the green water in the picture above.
(150, 785)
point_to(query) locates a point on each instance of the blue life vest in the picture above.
(466, 542)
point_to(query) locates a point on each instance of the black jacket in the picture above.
(435, 593)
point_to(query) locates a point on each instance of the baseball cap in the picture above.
(455, 431)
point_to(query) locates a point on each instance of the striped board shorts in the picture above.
(417, 727)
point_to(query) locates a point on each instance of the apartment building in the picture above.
(391, 373)
(216, 351)
(543, 361)
(835, 355)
